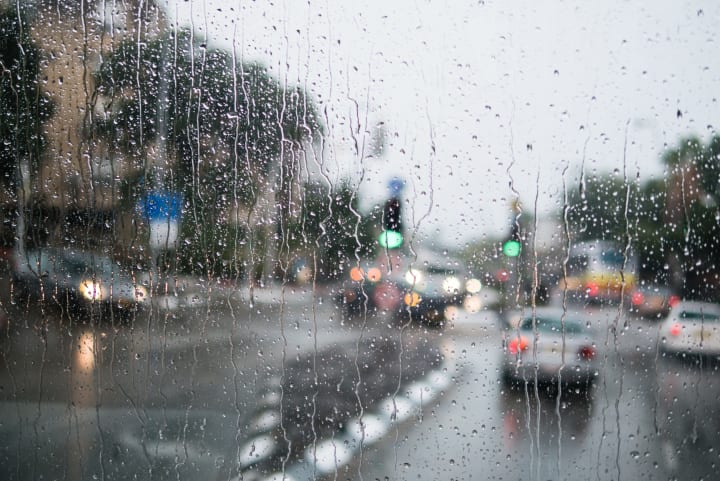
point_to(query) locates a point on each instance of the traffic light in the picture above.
(391, 237)
(391, 215)
(513, 246)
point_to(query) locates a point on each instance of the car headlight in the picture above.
(141, 294)
(473, 286)
(92, 290)
(413, 277)
(472, 303)
(451, 284)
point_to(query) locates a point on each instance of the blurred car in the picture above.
(652, 301)
(598, 273)
(692, 327)
(368, 288)
(429, 289)
(549, 344)
(79, 278)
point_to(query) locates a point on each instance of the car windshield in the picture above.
(313, 240)
(698, 316)
(552, 325)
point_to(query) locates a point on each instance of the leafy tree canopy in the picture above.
(331, 226)
(221, 115)
(23, 104)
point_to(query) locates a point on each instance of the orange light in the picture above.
(374, 274)
(357, 274)
(675, 329)
(412, 299)
(518, 344)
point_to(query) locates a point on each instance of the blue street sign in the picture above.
(162, 206)
(396, 185)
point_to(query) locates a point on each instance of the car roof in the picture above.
(697, 306)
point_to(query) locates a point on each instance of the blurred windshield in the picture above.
(552, 325)
(698, 316)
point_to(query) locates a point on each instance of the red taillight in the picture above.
(587, 352)
(637, 298)
(593, 289)
(675, 329)
(518, 344)
(673, 301)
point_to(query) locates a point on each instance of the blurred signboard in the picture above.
(163, 211)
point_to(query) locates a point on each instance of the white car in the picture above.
(693, 328)
(549, 345)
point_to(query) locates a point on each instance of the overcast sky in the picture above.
(476, 94)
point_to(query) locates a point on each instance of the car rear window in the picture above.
(702, 316)
(547, 324)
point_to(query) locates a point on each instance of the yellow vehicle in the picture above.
(599, 271)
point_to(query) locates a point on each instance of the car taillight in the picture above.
(587, 352)
(673, 301)
(593, 289)
(518, 344)
(637, 298)
(675, 329)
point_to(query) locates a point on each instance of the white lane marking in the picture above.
(256, 450)
(265, 421)
(368, 429)
(328, 456)
(421, 393)
(398, 410)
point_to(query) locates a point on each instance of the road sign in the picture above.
(161, 205)
(163, 211)
(396, 185)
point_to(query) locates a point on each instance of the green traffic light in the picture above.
(511, 248)
(390, 239)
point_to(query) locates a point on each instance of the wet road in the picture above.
(648, 417)
(222, 389)
(230, 390)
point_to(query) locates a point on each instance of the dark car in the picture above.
(429, 289)
(369, 289)
(652, 301)
(77, 279)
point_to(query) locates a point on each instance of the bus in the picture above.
(599, 272)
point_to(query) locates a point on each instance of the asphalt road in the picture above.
(234, 389)
(647, 417)
(229, 388)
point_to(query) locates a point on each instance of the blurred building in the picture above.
(75, 194)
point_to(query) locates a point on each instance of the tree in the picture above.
(692, 213)
(24, 107)
(671, 223)
(597, 208)
(233, 117)
(331, 228)
(23, 104)
(608, 207)
(224, 127)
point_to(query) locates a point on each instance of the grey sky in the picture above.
(471, 89)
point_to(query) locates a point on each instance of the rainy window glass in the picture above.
(369, 240)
